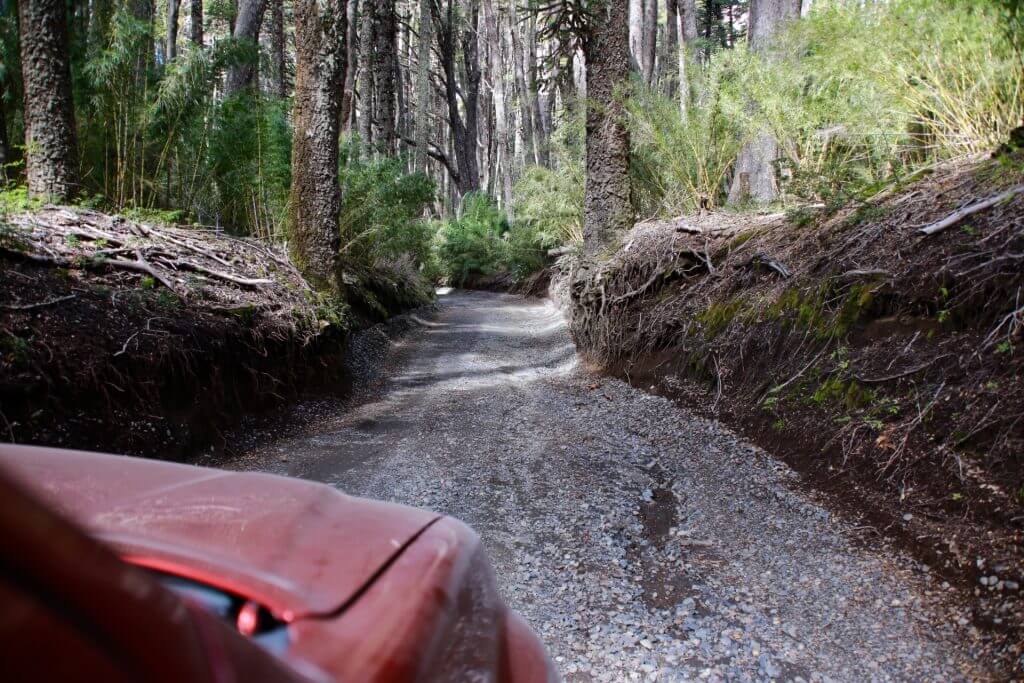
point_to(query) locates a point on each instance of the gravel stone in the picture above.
(640, 541)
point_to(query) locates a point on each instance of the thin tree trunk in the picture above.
(349, 94)
(277, 48)
(5, 144)
(754, 175)
(424, 96)
(246, 30)
(50, 139)
(195, 24)
(527, 92)
(320, 66)
(367, 39)
(650, 42)
(636, 32)
(172, 29)
(497, 64)
(384, 60)
(607, 205)
(669, 60)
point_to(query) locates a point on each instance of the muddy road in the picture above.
(641, 542)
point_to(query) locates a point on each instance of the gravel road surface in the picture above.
(641, 542)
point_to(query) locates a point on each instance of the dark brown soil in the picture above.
(885, 365)
(102, 358)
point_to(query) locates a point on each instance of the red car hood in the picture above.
(299, 548)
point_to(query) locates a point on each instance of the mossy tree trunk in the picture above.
(321, 63)
(608, 209)
(50, 139)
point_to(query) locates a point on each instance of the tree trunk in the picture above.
(754, 175)
(384, 59)
(277, 48)
(497, 64)
(52, 156)
(688, 19)
(424, 96)
(636, 32)
(464, 133)
(349, 96)
(5, 144)
(525, 86)
(650, 43)
(607, 207)
(247, 31)
(670, 50)
(195, 24)
(320, 66)
(172, 29)
(367, 40)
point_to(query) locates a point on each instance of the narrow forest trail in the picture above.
(641, 542)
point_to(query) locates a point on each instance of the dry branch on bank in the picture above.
(208, 270)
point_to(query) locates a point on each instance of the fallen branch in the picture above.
(762, 260)
(203, 270)
(960, 214)
(907, 373)
(41, 304)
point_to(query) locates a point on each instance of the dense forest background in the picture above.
(463, 121)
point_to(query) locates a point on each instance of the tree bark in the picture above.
(464, 132)
(50, 138)
(525, 88)
(650, 42)
(349, 95)
(497, 64)
(636, 32)
(247, 30)
(277, 48)
(320, 66)
(384, 61)
(607, 206)
(5, 144)
(367, 39)
(195, 24)
(172, 29)
(424, 96)
(754, 175)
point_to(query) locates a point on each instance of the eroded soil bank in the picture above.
(150, 340)
(884, 364)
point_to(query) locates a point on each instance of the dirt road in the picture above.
(641, 542)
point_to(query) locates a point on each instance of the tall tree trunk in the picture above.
(195, 24)
(320, 66)
(527, 90)
(367, 40)
(636, 32)
(670, 50)
(50, 139)
(688, 19)
(172, 29)
(246, 31)
(650, 42)
(277, 48)
(497, 63)
(424, 95)
(607, 207)
(349, 95)
(464, 132)
(384, 60)
(754, 175)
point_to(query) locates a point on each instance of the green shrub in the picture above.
(382, 211)
(474, 243)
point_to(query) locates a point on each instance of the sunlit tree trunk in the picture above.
(636, 31)
(320, 66)
(497, 68)
(349, 94)
(50, 140)
(607, 205)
